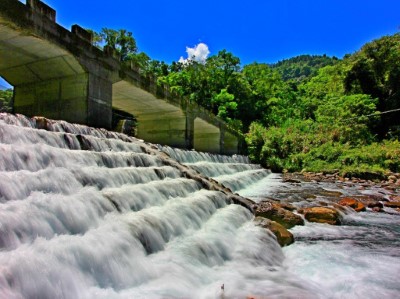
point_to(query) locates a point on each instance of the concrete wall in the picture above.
(229, 144)
(167, 129)
(99, 102)
(63, 98)
(206, 137)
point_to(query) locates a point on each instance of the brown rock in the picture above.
(392, 204)
(395, 198)
(41, 122)
(291, 180)
(377, 209)
(322, 215)
(329, 193)
(353, 203)
(283, 236)
(276, 213)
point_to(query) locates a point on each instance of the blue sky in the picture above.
(262, 31)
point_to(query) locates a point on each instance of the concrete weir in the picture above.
(59, 74)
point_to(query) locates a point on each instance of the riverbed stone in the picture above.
(395, 198)
(275, 212)
(352, 203)
(283, 236)
(392, 204)
(322, 215)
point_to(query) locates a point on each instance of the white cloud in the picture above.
(198, 53)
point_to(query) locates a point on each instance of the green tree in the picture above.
(375, 70)
(120, 40)
(6, 97)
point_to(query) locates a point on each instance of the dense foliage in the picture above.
(6, 97)
(302, 67)
(309, 112)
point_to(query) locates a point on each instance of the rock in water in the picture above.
(322, 215)
(276, 213)
(352, 203)
(392, 204)
(283, 236)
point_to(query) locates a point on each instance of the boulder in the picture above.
(352, 203)
(275, 212)
(283, 236)
(322, 215)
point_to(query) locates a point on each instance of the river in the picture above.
(87, 213)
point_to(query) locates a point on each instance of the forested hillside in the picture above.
(302, 67)
(309, 112)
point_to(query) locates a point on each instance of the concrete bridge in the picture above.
(59, 74)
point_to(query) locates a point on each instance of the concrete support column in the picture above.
(221, 140)
(189, 130)
(99, 112)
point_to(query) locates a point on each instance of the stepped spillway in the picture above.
(87, 213)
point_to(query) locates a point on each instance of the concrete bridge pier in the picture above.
(82, 98)
(189, 129)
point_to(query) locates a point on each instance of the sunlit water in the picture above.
(87, 213)
(359, 259)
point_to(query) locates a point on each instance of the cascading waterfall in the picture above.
(86, 213)
(234, 172)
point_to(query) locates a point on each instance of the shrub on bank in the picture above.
(309, 146)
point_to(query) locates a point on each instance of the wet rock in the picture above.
(369, 201)
(283, 236)
(291, 180)
(395, 198)
(287, 206)
(328, 193)
(353, 203)
(377, 209)
(322, 215)
(275, 212)
(392, 204)
(41, 122)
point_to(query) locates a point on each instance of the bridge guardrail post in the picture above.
(42, 8)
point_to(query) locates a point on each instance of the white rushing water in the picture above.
(359, 259)
(87, 213)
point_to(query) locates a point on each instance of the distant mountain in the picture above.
(302, 67)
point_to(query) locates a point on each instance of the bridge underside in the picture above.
(49, 81)
(164, 123)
